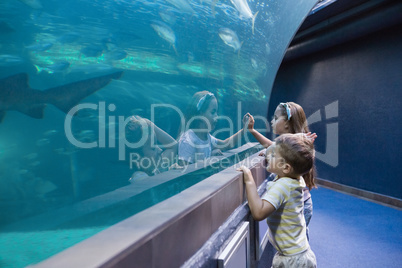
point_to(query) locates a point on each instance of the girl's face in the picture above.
(279, 123)
(211, 114)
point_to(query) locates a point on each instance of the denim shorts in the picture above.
(308, 210)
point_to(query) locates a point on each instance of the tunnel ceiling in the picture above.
(342, 21)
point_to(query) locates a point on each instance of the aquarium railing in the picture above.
(170, 232)
(84, 219)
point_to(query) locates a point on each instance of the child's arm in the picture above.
(260, 138)
(260, 209)
(232, 140)
(162, 137)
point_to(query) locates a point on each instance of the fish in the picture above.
(31, 156)
(267, 49)
(92, 50)
(68, 38)
(182, 5)
(254, 64)
(5, 28)
(85, 136)
(35, 4)
(92, 68)
(16, 94)
(167, 16)
(66, 151)
(34, 164)
(165, 32)
(120, 37)
(245, 11)
(42, 142)
(40, 47)
(54, 68)
(42, 187)
(10, 60)
(50, 132)
(115, 54)
(230, 38)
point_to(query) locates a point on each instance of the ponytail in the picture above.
(309, 178)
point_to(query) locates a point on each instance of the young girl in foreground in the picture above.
(290, 157)
(201, 117)
(289, 117)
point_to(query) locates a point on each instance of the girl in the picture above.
(289, 117)
(197, 143)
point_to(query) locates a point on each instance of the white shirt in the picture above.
(192, 148)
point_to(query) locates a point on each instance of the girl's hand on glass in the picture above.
(311, 136)
(248, 121)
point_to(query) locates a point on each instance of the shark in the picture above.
(17, 95)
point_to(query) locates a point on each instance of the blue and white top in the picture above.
(192, 148)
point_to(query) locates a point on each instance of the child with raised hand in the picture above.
(290, 157)
(289, 117)
(201, 116)
(154, 144)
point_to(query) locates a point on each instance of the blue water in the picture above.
(60, 42)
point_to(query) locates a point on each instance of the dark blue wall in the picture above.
(365, 77)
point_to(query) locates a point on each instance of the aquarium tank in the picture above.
(74, 74)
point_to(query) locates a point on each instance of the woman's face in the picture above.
(211, 114)
(279, 123)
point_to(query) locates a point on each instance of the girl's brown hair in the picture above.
(298, 124)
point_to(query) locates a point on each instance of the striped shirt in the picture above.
(287, 227)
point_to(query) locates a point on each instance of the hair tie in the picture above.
(202, 100)
(289, 113)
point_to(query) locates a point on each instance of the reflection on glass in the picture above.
(201, 117)
(154, 151)
(73, 73)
